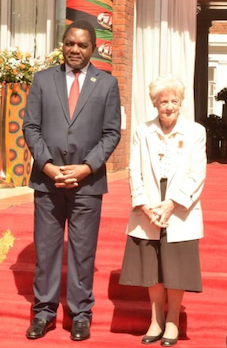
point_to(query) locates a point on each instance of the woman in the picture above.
(167, 173)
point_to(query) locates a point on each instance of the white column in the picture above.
(50, 25)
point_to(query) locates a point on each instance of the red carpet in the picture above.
(121, 314)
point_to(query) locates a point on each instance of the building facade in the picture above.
(37, 26)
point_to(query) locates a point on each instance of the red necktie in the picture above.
(74, 94)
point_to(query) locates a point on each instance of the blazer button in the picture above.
(69, 132)
(65, 152)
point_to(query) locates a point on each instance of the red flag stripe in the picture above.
(88, 7)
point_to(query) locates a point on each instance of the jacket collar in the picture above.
(91, 81)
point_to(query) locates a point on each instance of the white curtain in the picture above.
(164, 42)
(29, 26)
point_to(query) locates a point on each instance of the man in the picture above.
(69, 176)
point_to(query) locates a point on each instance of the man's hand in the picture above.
(51, 170)
(55, 172)
(70, 175)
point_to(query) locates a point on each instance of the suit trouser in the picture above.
(52, 210)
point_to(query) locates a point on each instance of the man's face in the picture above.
(77, 48)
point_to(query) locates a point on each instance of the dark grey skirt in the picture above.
(149, 262)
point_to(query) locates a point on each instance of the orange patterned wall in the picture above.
(15, 158)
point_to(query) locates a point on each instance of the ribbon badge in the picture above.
(180, 146)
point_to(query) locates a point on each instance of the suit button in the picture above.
(69, 132)
(65, 152)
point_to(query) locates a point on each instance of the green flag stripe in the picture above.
(101, 4)
(104, 34)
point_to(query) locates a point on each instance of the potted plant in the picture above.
(17, 69)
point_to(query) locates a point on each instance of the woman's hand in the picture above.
(162, 212)
(151, 215)
(147, 211)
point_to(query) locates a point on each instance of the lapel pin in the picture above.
(180, 146)
(93, 79)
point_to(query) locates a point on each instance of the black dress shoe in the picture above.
(151, 339)
(168, 342)
(39, 327)
(80, 330)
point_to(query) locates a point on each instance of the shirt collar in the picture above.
(178, 128)
(68, 69)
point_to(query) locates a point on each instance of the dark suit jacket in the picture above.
(90, 137)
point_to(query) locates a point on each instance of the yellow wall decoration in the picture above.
(6, 242)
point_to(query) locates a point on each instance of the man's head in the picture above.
(79, 42)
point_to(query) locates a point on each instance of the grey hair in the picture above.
(166, 82)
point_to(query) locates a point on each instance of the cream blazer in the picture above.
(185, 180)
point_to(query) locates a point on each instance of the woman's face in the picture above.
(168, 105)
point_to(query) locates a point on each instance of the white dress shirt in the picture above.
(70, 77)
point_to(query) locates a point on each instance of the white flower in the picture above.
(13, 49)
(13, 61)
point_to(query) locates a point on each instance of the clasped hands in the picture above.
(67, 176)
(159, 214)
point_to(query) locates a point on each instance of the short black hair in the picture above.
(85, 25)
